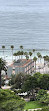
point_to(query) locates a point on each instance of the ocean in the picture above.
(24, 22)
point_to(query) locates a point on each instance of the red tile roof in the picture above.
(23, 65)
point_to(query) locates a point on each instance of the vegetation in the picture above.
(3, 47)
(34, 105)
(35, 59)
(10, 102)
(18, 80)
(28, 82)
(12, 47)
(2, 67)
(46, 108)
(42, 96)
(35, 85)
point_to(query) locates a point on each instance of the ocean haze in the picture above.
(24, 22)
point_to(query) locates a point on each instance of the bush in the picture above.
(10, 102)
(44, 109)
(42, 95)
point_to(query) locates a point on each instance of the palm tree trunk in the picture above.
(3, 53)
(12, 55)
(0, 79)
(35, 67)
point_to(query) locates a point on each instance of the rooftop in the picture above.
(21, 62)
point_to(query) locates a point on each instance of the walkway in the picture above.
(34, 109)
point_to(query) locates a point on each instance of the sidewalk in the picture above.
(33, 109)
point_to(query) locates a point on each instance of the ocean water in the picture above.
(24, 22)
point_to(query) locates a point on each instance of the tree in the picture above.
(12, 47)
(34, 51)
(39, 58)
(3, 47)
(15, 54)
(25, 53)
(27, 57)
(44, 82)
(21, 47)
(18, 80)
(42, 95)
(30, 53)
(21, 53)
(38, 77)
(29, 85)
(46, 108)
(38, 55)
(9, 101)
(2, 67)
(35, 59)
(46, 59)
(12, 80)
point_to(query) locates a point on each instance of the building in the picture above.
(21, 65)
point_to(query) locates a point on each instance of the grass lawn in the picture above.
(33, 105)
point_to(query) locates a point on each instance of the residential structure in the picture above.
(21, 65)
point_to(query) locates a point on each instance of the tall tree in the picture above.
(2, 67)
(21, 47)
(35, 59)
(46, 58)
(19, 53)
(3, 47)
(9, 101)
(12, 47)
(38, 54)
(27, 57)
(30, 54)
(22, 54)
(15, 54)
(34, 51)
(40, 57)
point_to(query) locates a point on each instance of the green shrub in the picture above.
(10, 102)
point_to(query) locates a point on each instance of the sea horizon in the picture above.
(24, 23)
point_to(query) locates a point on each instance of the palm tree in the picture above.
(15, 54)
(34, 51)
(19, 53)
(46, 58)
(2, 67)
(12, 47)
(27, 57)
(30, 53)
(3, 47)
(21, 47)
(35, 59)
(38, 55)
